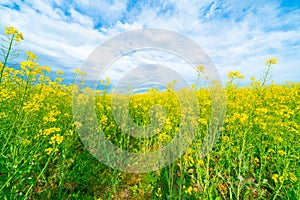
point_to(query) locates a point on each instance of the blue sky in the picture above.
(237, 35)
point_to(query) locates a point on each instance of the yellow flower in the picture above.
(19, 37)
(12, 31)
(203, 121)
(225, 139)
(189, 190)
(59, 72)
(31, 55)
(278, 138)
(201, 162)
(292, 177)
(271, 151)
(255, 159)
(235, 74)
(252, 78)
(49, 150)
(48, 131)
(158, 193)
(26, 141)
(281, 179)
(56, 138)
(275, 178)
(281, 152)
(107, 81)
(200, 69)
(46, 68)
(77, 71)
(29, 63)
(271, 61)
(70, 132)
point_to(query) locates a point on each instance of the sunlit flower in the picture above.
(275, 178)
(16, 34)
(49, 150)
(57, 138)
(31, 55)
(189, 190)
(200, 69)
(59, 72)
(271, 61)
(281, 152)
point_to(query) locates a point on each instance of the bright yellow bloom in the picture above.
(49, 150)
(292, 177)
(275, 178)
(59, 72)
(107, 81)
(271, 151)
(56, 138)
(19, 37)
(48, 131)
(77, 71)
(255, 159)
(46, 68)
(235, 74)
(70, 132)
(12, 31)
(225, 138)
(158, 193)
(201, 162)
(189, 190)
(31, 55)
(29, 63)
(200, 69)
(271, 61)
(278, 139)
(281, 152)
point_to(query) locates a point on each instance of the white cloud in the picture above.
(236, 35)
(67, 44)
(81, 19)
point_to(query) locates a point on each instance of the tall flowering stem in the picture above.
(16, 36)
(266, 77)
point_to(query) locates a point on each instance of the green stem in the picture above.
(240, 185)
(8, 180)
(61, 179)
(197, 81)
(207, 174)
(20, 112)
(266, 74)
(42, 172)
(283, 174)
(6, 57)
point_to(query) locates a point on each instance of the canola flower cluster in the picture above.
(257, 154)
(17, 35)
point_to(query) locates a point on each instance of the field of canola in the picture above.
(42, 156)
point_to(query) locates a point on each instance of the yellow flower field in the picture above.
(42, 156)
